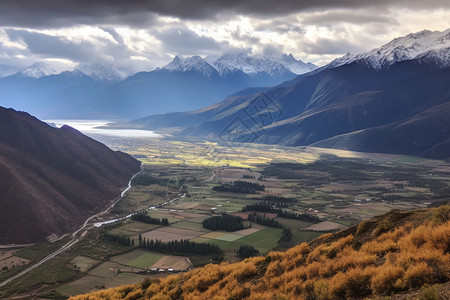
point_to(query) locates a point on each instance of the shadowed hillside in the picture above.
(52, 179)
(385, 100)
(397, 253)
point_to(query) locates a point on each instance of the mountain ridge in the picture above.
(101, 92)
(411, 46)
(52, 179)
(336, 105)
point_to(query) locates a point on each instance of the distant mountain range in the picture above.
(100, 91)
(53, 179)
(394, 99)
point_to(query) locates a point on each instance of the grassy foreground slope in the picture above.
(394, 253)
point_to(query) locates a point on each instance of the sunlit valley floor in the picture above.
(180, 183)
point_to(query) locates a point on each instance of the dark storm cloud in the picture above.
(48, 46)
(60, 13)
(238, 35)
(182, 40)
(272, 50)
(331, 47)
(349, 17)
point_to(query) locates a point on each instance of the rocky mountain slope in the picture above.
(393, 99)
(430, 45)
(53, 179)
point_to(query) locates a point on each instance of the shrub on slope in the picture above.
(406, 256)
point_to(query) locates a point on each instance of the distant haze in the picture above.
(90, 128)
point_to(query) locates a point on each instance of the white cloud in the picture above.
(315, 35)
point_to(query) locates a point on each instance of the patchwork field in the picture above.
(229, 237)
(173, 215)
(6, 253)
(132, 228)
(12, 262)
(340, 187)
(166, 234)
(264, 240)
(106, 275)
(137, 258)
(177, 263)
(197, 226)
(83, 263)
(245, 232)
(326, 226)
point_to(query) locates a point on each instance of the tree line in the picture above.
(146, 180)
(223, 222)
(181, 246)
(241, 187)
(278, 199)
(144, 218)
(270, 207)
(246, 251)
(119, 239)
(263, 220)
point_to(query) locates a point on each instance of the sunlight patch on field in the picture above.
(212, 235)
(166, 234)
(137, 258)
(84, 263)
(189, 225)
(229, 237)
(178, 263)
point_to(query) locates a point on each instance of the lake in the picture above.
(90, 128)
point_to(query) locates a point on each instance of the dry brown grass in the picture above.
(405, 257)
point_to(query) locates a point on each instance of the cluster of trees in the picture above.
(146, 180)
(248, 176)
(286, 237)
(261, 206)
(269, 207)
(263, 178)
(278, 199)
(241, 187)
(263, 220)
(296, 216)
(223, 222)
(143, 217)
(412, 256)
(182, 247)
(120, 239)
(246, 251)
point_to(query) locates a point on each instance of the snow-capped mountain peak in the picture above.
(296, 66)
(194, 63)
(38, 70)
(101, 72)
(433, 45)
(250, 65)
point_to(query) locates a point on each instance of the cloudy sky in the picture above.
(142, 35)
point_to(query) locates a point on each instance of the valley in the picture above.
(224, 150)
(335, 189)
